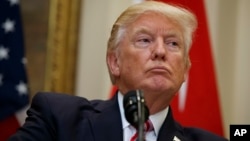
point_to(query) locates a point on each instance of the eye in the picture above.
(173, 44)
(143, 42)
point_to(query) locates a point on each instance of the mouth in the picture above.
(159, 69)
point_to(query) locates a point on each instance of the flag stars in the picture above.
(13, 2)
(8, 26)
(4, 53)
(22, 88)
(24, 60)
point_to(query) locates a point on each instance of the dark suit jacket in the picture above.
(60, 117)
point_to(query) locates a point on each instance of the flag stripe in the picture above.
(8, 126)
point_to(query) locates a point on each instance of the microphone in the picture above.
(136, 112)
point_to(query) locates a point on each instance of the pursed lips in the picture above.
(159, 69)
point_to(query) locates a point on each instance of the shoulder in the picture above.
(199, 134)
(59, 103)
(54, 115)
(62, 98)
(56, 98)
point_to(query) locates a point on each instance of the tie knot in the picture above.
(148, 126)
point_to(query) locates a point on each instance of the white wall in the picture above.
(97, 17)
(229, 22)
(230, 34)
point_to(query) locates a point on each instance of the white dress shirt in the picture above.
(128, 130)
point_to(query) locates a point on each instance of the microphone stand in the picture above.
(141, 115)
(136, 111)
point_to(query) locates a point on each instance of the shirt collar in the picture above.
(125, 123)
(156, 119)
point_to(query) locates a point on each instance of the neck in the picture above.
(157, 102)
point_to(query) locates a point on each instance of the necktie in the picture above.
(148, 126)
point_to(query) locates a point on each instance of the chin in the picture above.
(156, 85)
(157, 88)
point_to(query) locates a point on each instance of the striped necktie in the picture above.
(148, 126)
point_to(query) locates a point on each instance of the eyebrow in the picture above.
(141, 30)
(168, 33)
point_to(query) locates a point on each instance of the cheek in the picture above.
(179, 66)
(130, 65)
(126, 63)
(133, 64)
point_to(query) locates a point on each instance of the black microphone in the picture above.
(136, 111)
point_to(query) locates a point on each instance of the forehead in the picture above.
(154, 22)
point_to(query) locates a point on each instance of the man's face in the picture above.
(151, 56)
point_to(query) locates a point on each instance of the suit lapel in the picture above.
(106, 122)
(170, 130)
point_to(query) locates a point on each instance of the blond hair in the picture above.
(183, 17)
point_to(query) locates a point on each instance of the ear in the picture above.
(113, 64)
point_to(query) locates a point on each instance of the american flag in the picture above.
(13, 81)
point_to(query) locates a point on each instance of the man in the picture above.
(147, 50)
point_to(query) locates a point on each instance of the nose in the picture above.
(159, 51)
